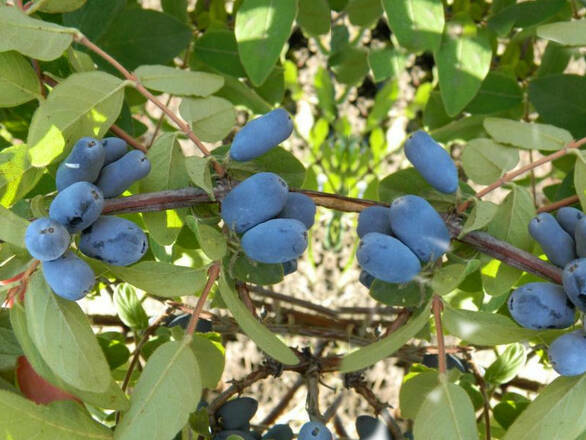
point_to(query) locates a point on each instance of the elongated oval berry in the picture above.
(46, 239)
(431, 161)
(300, 207)
(568, 217)
(580, 237)
(541, 305)
(114, 240)
(386, 258)
(261, 134)
(83, 163)
(374, 219)
(77, 206)
(255, 200)
(557, 244)
(314, 431)
(114, 148)
(279, 432)
(567, 353)
(420, 227)
(235, 414)
(69, 276)
(116, 177)
(574, 279)
(275, 241)
(370, 428)
(366, 279)
(289, 267)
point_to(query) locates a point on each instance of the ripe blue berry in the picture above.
(387, 259)
(77, 206)
(83, 163)
(567, 353)
(374, 219)
(580, 237)
(236, 413)
(275, 241)
(114, 148)
(300, 207)
(314, 431)
(568, 217)
(255, 200)
(289, 267)
(369, 428)
(114, 240)
(261, 134)
(557, 244)
(541, 305)
(574, 279)
(420, 227)
(432, 162)
(69, 276)
(46, 239)
(279, 432)
(116, 177)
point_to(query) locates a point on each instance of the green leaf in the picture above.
(85, 104)
(18, 81)
(386, 63)
(12, 227)
(262, 28)
(498, 92)
(212, 241)
(273, 89)
(112, 398)
(350, 65)
(446, 413)
(507, 365)
(364, 12)
(22, 419)
(262, 336)
(556, 413)
(383, 101)
(63, 336)
(211, 118)
(129, 307)
(369, 355)
(568, 33)
(557, 98)
(463, 61)
(485, 161)
(481, 215)
(484, 328)
(239, 93)
(95, 18)
(198, 169)
(210, 357)
(219, 50)
(34, 38)
(448, 277)
(392, 294)
(285, 164)
(580, 181)
(530, 136)
(144, 36)
(509, 408)
(417, 24)
(162, 279)
(554, 60)
(17, 175)
(179, 82)
(257, 273)
(314, 16)
(168, 390)
(58, 6)
(326, 94)
(413, 389)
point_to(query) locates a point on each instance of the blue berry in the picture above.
(289, 267)
(374, 219)
(114, 148)
(279, 432)
(369, 428)
(314, 431)
(114, 240)
(432, 162)
(245, 434)
(77, 206)
(420, 227)
(431, 360)
(116, 177)
(275, 241)
(46, 239)
(255, 200)
(557, 244)
(541, 305)
(261, 135)
(387, 259)
(69, 276)
(300, 207)
(568, 218)
(567, 354)
(366, 279)
(574, 279)
(580, 237)
(83, 163)
(236, 413)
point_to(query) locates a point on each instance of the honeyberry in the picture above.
(370, 428)
(114, 240)
(279, 432)
(261, 135)
(289, 267)
(580, 237)
(374, 219)
(69, 276)
(557, 244)
(574, 280)
(83, 163)
(255, 200)
(314, 431)
(275, 241)
(46, 239)
(541, 305)
(77, 206)
(567, 353)
(568, 217)
(300, 207)
(236, 413)
(114, 148)
(366, 279)
(117, 177)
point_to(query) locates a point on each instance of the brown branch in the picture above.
(559, 204)
(37, 68)
(292, 300)
(213, 273)
(438, 306)
(244, 294)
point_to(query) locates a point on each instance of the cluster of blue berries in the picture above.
(395, 241)
(547, 305)
(273, 221)
(93, 171)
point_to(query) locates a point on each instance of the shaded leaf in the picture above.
(485, 161)
(211, 118)
(18, 80)
(530, 136)
(568, 33)
(179, 82)
(314, 16)
(219, 50)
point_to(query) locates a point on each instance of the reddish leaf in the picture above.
(35, 387)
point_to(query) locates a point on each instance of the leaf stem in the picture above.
(213, 273)
(437, 307)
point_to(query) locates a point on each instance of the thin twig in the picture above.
(213, 273)
(485, 399)
(127, 138)
(437, 307)
(37, 69)
(559, 204)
